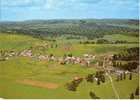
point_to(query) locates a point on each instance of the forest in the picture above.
(89, 28)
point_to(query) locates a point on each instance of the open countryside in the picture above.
(69, 59)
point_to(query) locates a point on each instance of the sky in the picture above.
(18, 10)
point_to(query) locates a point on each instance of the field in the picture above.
(121, 37)
(16, 69)
(25, 68)
(21, 42)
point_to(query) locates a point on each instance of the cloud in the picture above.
(47, 3)
(56, 4)
(21, 3)
(52, 4)
(12, 9)
(88, 1)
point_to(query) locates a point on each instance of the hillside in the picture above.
(89, 28)
(69, 59)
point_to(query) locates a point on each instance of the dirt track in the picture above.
(38, 84)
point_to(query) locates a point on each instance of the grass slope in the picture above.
(19, 68)
(121, 37)
(25, 68)
(17, 42)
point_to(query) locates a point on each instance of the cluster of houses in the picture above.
(5, 55)
(8, 54)
(26, 53)
(84, 60)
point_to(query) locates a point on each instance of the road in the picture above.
(111, 80)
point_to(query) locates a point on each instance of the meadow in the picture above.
(20, 68)
(25, 68)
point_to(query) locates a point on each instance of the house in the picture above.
(26, 53)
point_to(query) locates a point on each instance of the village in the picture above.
(102, 63)
(66, 59)
(85, 60)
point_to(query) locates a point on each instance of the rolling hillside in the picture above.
(89, 28)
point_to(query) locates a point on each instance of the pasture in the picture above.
(25, 68)
(16, 69)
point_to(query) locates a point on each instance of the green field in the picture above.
(121, 37)
(21, 42)
(25, 68)
(17, 42)
(20, 68)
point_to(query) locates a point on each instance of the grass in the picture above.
(115, 37)
(80, 49)
(17, 42)
(25, 68)
(126, 87)
(18, 68)
(21, 42)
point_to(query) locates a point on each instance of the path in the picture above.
(38, 84)
(111, 80)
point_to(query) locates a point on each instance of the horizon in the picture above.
(19, 10)
(68, 19)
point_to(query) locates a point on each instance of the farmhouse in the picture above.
(26, 53)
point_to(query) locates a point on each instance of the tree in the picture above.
(72, 86)
(56, 46)
(114, 64)
(93, 95)
(137, 91)
(124, 75)
(121, 76)
(132, 96)
(118, 78)
(70, 55)
(89, 78)
(51, 55)
(102, 41)
(114, 57)
(98, 82)
(103, 78)
(130, 76)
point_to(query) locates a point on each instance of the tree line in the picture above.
(87, 28)
(127, 60)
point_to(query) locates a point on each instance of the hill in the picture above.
(89, 28)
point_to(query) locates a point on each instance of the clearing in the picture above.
(38, 84)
